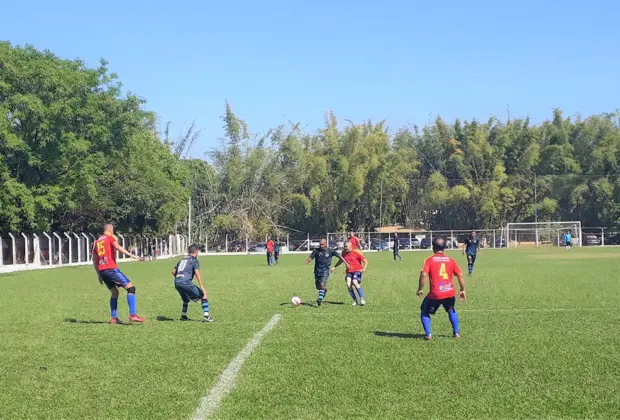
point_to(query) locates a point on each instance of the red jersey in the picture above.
(441, 269)
(354, 259)
(104, 252)
(355, 243)
(270, 245)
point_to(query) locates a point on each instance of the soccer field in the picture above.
(540, 340)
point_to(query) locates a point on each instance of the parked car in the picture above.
(592, 240)
(425, 243)
(379, 246)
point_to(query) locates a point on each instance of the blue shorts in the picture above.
(189, 292)
(320, 279)
(354, 276)
(114, 278)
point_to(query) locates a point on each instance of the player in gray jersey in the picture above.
(184, 272)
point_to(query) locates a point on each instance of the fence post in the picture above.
(13, 247)
(1, 251)
(288, 245)
(79, 247)
(26, 250)
(451, 239)
(308, 238)
(59, 247)
(494, 239)
(71, 248)
(50, 249)
(226, 244)
(206, 243)
(410, 243)
(602, 236)
(87, 257)
(36, 248)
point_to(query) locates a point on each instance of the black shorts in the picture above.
(569, 243)
(430, 306)
(471, 258)
(320, 278)
(189, 292)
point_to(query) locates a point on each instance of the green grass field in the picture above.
(540, 331)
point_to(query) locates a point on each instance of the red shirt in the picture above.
(105, 253)
(355, 243)
(354, 259)
(441, 270)
(270, 245)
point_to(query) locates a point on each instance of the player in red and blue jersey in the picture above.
(357, 264)
(104, 261)
(439, 270)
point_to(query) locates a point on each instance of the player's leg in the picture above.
(204, 300)
(277, 256)
(470, 265)
(449, 306)
(349, 281)
(427, 308)
(125, 283)
(113, 304)
(321, 285)
(357, 281)
(185, 299)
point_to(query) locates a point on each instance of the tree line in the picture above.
(75, 152)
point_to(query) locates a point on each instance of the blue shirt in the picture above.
(472, 245)
(568, 237)
(186, 269)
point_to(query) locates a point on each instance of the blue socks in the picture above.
(185, 305)
(131, 301)
(205, 307)
(470, 267)
(426, 323)
(114, 307)
(454, 320)
(360, 293)
(352, 293)
(322, 293)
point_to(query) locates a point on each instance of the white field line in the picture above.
(228, 379)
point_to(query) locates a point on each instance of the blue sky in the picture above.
(402, 61)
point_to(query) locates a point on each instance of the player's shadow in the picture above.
(83, 321)
(330, 302)
(302, 304)
(164, 318)
(398, 335)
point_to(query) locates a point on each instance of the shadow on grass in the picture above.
(313, 305)
(398, 335)
(83, 321)
(163, 318)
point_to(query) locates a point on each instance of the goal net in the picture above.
(536, 234)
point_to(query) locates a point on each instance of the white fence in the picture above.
(27, 252)
(418, 240)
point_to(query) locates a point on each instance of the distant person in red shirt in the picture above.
(104, 261)
(439, 270)
(270, 246)
(355, 242)
(357, 264)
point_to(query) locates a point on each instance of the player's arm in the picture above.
(123, 251)
(310, 258)
(464, 246)
(459, 275)
(421, 283)
(340, 260)
(199, 280)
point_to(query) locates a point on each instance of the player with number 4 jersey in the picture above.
(439, 270)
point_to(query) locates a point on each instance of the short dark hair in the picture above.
(192, 249)
(439, 244)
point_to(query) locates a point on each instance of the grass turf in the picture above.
(540, 340)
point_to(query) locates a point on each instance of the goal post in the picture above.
(541, 233)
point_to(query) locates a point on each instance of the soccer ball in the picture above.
(296, 301)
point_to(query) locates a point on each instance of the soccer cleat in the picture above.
(136, 318)
(362, 302)
(208, 319)
(318, 302)
(114, 321)
(354, 303)
(184, 318)
(457, 336)
(428, 337)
